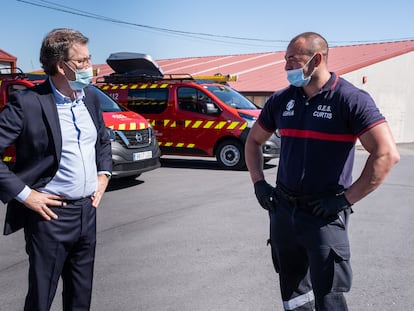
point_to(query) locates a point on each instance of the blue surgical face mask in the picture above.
(82, 78)
(296, 76)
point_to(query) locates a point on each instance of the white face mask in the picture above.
(82, 78)
(296, 76)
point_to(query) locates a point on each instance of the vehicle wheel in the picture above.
(230, 154)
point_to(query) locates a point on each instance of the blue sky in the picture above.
(179, 28)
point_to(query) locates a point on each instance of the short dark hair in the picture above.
(315, 42)
(56, 45)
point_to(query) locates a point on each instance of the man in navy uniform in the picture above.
(320, 116)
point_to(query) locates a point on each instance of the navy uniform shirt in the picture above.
(318, 134)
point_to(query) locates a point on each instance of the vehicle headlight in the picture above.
(277, 133)
(249, 119)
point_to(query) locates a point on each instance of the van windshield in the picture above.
(230, 97)
(106, 102)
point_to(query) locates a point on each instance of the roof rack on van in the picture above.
(130, 67)
(12, 73)
(124, 78)
(15, 73)
(117, 78)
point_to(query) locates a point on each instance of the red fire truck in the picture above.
(134, 146)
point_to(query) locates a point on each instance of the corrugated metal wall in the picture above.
(390, 83)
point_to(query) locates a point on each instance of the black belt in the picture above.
(302, 200)
(294, 199)
(75, 201)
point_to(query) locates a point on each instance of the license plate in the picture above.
(138, 156)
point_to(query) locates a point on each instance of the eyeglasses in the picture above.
(81, 62)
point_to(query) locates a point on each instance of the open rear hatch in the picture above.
(134, 64)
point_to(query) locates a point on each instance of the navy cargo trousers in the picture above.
(311, 256)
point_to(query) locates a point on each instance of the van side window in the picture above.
(191, 99)
(147, 100)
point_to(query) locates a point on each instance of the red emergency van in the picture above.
(191, 117)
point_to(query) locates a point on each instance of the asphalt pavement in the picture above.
(191, 237)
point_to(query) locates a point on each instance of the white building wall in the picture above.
(391, 84)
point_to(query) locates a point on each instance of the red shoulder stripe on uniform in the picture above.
(318, 135)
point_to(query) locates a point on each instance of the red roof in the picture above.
(6, 57)
(264, 72)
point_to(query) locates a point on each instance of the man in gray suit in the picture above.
(63, 165)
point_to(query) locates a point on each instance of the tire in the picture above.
(230, 155)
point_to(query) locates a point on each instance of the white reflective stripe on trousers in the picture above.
(298, 301)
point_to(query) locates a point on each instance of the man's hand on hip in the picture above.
(329, 206)
(265, 194)
(40, 203)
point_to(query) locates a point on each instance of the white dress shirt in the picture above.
(76, 176)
